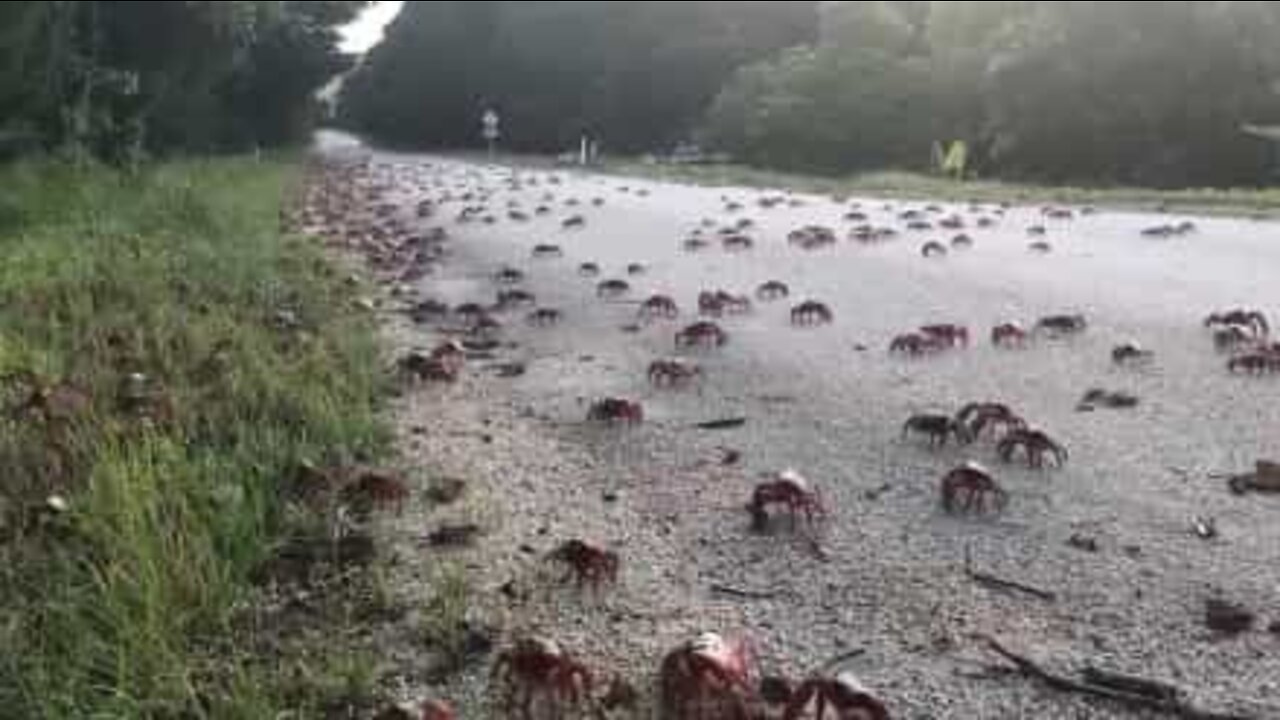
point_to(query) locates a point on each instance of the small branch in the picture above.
(726, 424)
(1133, 692)
(835, 662)
(743, 594)
(995, 583)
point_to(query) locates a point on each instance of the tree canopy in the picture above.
(127, 76)
(1098, 92)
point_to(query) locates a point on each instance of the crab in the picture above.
(962, 242)
(933, 249)
(589, 564)
(377, 487)
(1256, 363)
(980, 416)
(546, 252)
(938, 428)
(470, 312)
(535, 667)
(789, 489)
(1251, 320)
(575, 222)
(672, 373)
(636, 269)
(955, 222)
(417, 366)
(510, 299)
(508, 276)
(709, 672)
(589, 269)
(1009, 335)
(702, 334)
(719, 302)
(611, 289)
(544, 317)
(1040, 248)
(1035, 444)
(843, 694)
(947, 334)
(737, 243)
(812, 237)
(772, 290)
(1131, 353)
(915, 345)
(616, 410)
(1061, 325)
(968, 488)
(695, 244)
(485, 327)
(920, 226)
(1232, 337)
(659, 306)
(812, 312)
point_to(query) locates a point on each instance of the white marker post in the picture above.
(490, 128)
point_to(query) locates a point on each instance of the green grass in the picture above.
(913, 186)
(132, 603)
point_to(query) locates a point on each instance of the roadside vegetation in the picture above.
(1261, 202)
(170, 360)
(1056, 93)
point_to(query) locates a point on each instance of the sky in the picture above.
(366, 31)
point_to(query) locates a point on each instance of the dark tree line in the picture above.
(637, 74)
(119, 79)
(1099, 92)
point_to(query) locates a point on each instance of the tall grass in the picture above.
(126, 605)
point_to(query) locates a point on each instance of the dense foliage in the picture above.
(1101, 92)
(120, 78)
(636, 74)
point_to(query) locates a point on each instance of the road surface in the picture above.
(830, 402)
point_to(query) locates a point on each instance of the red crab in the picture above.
(968, 487)
(1258, 363)
(978, 417)
(1009, 335)
(843, 694)
(790, 490)
(659, 306)
(812, 312)
(915, 345)
(589, 564)
(703, 334)
(616, 410)
(772, 290)
(536, 667)
(543, 317)
(1251, 320)
(938, 428)
(612, 289)
(1035, 444)
(708, 673)
(672, 373)
(934, 249)
(947, 334)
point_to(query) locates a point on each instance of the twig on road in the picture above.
(1133, 692)
(744, 594)
(996, 583)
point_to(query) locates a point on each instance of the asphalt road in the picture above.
(830, 403)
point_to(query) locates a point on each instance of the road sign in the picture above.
(491, 123)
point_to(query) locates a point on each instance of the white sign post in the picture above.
(490, 128)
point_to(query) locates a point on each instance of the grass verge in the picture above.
(913, 186)
(168, 359)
